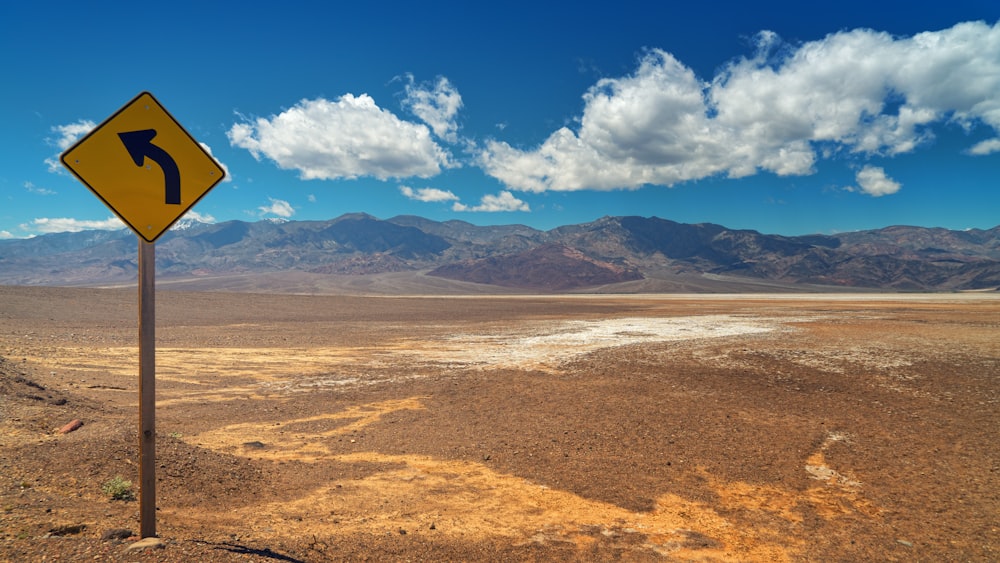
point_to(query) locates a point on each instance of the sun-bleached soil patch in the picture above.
(639, 428)
(546, 344)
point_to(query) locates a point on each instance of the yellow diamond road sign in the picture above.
(144, 166)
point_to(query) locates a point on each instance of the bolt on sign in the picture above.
(144, 166)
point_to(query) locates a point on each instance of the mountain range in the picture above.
(358, 252)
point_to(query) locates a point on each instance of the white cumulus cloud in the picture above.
(427, 194)
(66, 135)
(277, 207)
(989, 146)
(873, 181)
(503, 201)
(71, 133)
(66, 224)
(228, 177)
(347, 138)
(436, 104)
(859, 93)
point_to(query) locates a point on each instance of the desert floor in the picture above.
(515, 428)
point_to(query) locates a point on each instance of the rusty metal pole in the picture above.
(147, 389)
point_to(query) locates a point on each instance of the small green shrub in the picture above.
(118, 489)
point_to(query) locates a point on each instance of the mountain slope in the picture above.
(551, 267)
(608, 252)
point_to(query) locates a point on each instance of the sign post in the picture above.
(149, 171)
(147, 389)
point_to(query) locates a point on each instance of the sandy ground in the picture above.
(581, 428)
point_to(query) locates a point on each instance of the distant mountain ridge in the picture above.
(625, 254)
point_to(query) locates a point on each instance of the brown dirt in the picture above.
(582, 428)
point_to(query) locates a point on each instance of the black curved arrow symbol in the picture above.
(139, 145)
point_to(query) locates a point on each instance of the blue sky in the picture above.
(783, 117)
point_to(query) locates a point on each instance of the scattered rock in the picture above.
(696, 540)
(904, 542)
(67, 530)
(74, 424)
(146, 543)
(116, 534)
(255, 445)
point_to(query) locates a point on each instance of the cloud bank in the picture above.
(854, 95)
(858, 93)
(65, 224)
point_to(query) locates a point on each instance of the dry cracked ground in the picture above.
(572, 428)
